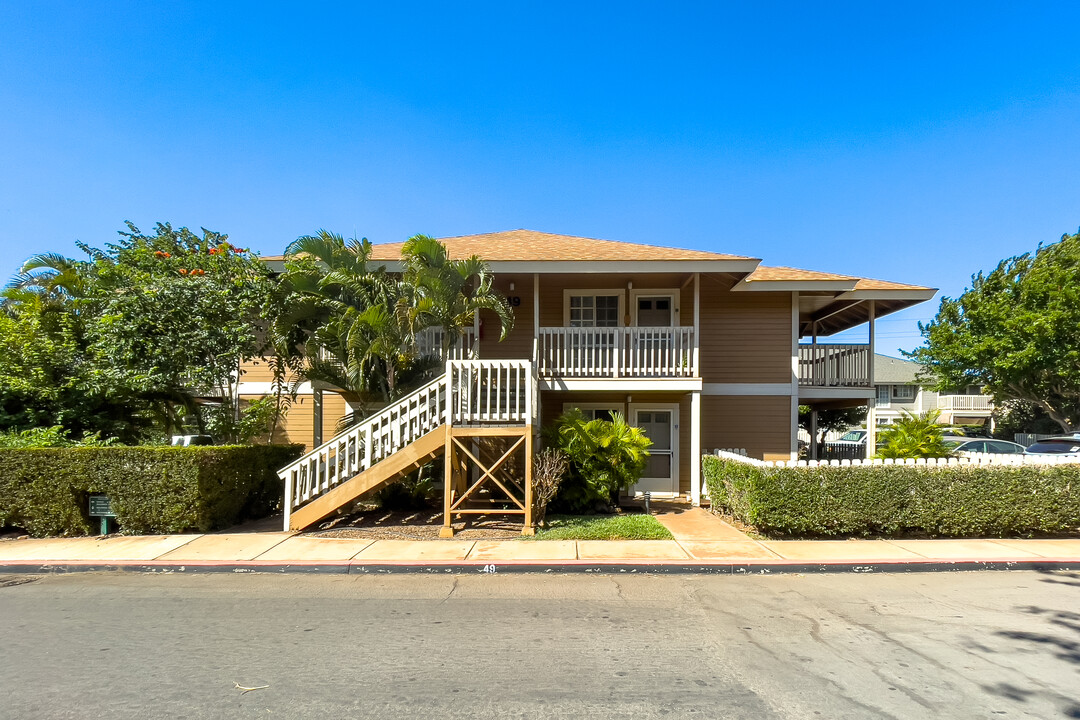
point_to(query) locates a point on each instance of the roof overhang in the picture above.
(838, 286)
(595, 267)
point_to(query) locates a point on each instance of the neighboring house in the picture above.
(898, 389)
(703, 350)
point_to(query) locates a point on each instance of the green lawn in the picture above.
(603, 527)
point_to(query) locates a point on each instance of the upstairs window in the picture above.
(903, 392)
(594, 311)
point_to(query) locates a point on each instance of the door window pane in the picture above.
(654, 312)
(659, 466)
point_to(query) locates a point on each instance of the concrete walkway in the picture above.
(691, 551)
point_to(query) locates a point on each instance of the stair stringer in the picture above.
(420, 451)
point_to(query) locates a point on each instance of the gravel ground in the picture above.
(417, 525)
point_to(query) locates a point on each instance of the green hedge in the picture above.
(950, 501)
(153, 489)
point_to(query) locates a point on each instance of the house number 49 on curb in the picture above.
(488, 569)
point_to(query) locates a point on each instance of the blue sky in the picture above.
(914, 142)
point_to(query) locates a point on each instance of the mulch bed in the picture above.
(416, 525)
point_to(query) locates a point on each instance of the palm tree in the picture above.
(914, 436)
(449, 293)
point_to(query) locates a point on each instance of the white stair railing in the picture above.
(469, 392)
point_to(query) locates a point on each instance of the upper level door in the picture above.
(654, 311)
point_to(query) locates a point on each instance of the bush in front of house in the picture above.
(945, 501)
(606, 456)
(153, 489)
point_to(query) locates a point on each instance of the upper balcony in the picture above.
(616, 352)
(966, 403)
(835, 366)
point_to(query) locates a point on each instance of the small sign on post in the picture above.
(101, 507)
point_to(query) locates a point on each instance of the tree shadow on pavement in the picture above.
(1061, 642)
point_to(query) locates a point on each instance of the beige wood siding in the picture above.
(760, 424)
(745, 336)
(552, 287)
(298, 424)
(519, 344)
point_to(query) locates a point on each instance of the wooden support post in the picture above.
(449, 458)
(530, 525)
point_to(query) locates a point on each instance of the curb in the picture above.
(676, 567)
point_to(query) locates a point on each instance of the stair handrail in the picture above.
(468, 392)
(356, 447)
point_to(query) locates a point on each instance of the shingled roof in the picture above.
(533, 246)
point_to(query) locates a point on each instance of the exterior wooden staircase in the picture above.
(473, 397)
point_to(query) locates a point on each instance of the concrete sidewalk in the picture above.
(287, 552)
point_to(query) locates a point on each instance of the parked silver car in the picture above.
(964, 446)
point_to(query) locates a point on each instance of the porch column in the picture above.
(793, 430)
(871, 427)
(695, 370)
(695, 448)
(813, 435)
(870, 359)
(317, 420)
(536, 320)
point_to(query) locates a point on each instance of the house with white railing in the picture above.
(700, 349)
(900, 387)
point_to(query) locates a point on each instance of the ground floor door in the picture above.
(660, 423)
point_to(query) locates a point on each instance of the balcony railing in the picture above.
(429, 341)
(617, 352)
(834, 366)
(965, 402)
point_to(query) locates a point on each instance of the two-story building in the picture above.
(900, 388)
(701, 349)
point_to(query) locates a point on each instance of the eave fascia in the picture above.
(600, 267)
(917, 295)
(837, 286)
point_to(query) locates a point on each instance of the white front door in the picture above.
(661, 425)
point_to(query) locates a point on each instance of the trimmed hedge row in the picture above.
(153, 489)
(951, 501)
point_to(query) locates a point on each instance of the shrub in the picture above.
(54, 436)
(606, 456)
(914, 436)
(951, 501)
(153, 489)
(549, 469)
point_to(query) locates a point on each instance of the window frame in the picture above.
(601, 292)
(895, 395)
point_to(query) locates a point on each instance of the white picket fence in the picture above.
(971, 459)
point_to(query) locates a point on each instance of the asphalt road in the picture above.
(964, 645)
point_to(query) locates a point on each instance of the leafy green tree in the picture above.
(358, 323)
(355, 319)
(1016, 331)
(449, 293)
(914, 436)
(606, 456)
(146, 326)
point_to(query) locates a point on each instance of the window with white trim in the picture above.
(594, 310)
(882, 395)
(903, 392)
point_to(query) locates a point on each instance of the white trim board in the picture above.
(746, 389)
(626, 385)
(820, 393)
